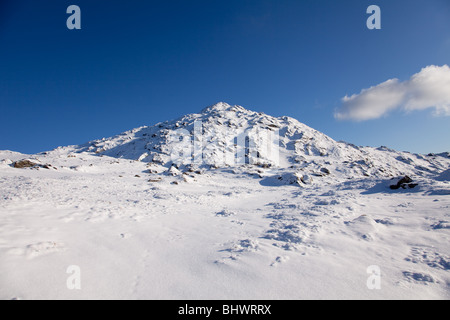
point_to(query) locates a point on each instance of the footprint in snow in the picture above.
(35, 250)
(322, 202)
(247, 245)
(419, 277)
(225, 213)
(429, 257)
(239, 248)
(441, 225)
(279, 260)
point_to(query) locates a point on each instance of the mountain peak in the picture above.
(223, 135)
(221, 107)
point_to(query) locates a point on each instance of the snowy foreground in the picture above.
(143, 231)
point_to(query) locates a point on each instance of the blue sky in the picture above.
(137, 63)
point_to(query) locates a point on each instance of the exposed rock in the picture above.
(24, 164)
(173, 171)
(287, 178)
(404, 183)
(306, 179)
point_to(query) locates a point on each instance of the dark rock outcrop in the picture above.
(404, 183)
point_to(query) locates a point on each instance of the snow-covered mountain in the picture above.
(211, 139)
(224, 204)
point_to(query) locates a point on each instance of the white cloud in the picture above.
(428, 89)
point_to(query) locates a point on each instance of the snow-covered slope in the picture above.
(192, 209)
